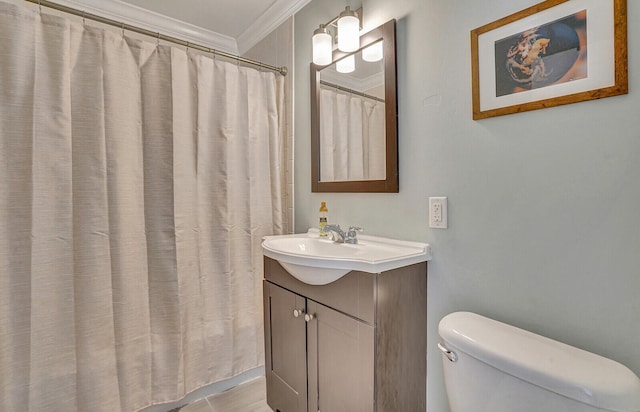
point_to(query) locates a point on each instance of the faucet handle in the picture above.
(351, 234)
(352, 230)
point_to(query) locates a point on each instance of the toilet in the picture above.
(492, 366)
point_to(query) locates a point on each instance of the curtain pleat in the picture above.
(92, 251)
(52, 325)
(352, 137)
(136, 183)
(376, 162)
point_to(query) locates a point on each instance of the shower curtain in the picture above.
(352, 137)
(136, 182)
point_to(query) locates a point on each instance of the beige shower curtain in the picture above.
(352, 137)
(136, 181)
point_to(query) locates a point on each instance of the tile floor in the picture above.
(248, 397)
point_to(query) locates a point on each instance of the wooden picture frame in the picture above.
(554, 53)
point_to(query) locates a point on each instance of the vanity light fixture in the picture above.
(322, 46)
(348, 31)
(345, 28)
(346, 65)
(373, 53)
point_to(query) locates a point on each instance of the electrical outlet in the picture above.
(438, 212)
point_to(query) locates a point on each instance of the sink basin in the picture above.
(319, 261)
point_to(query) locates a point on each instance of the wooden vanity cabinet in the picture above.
(355, 345)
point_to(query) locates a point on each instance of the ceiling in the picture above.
(228, 17)
(233, 26)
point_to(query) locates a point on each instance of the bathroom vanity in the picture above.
(357, 344)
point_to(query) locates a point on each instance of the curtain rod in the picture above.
(282, 70)
(345, 89)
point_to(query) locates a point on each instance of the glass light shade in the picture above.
(373, 53)
(346, 65)
(348, 31)
(322, 46)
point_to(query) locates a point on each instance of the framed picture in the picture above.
(553, 53)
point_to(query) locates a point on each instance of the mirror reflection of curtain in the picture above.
(136, 183)
(352, 137)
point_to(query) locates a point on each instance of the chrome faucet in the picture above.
(336, 230)
(339, 235)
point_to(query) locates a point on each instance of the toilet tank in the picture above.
(501, 368)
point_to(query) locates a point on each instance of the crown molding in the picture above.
(352, 82)
(146, 19)
(277, 14)
(373, 81)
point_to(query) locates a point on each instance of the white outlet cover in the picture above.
(438, 212)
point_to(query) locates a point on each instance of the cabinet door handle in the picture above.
(309, 317)
(298, 313)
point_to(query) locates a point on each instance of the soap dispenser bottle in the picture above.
(324, 212)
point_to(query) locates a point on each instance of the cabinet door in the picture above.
(341, 361)
(285, 354)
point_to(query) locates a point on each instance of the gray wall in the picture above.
(544, 206)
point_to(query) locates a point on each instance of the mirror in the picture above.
(354, 135)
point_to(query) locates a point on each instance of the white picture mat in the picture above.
(600, 60)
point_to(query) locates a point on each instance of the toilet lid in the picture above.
(555, 366)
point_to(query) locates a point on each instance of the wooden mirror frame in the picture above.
(386, 32)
